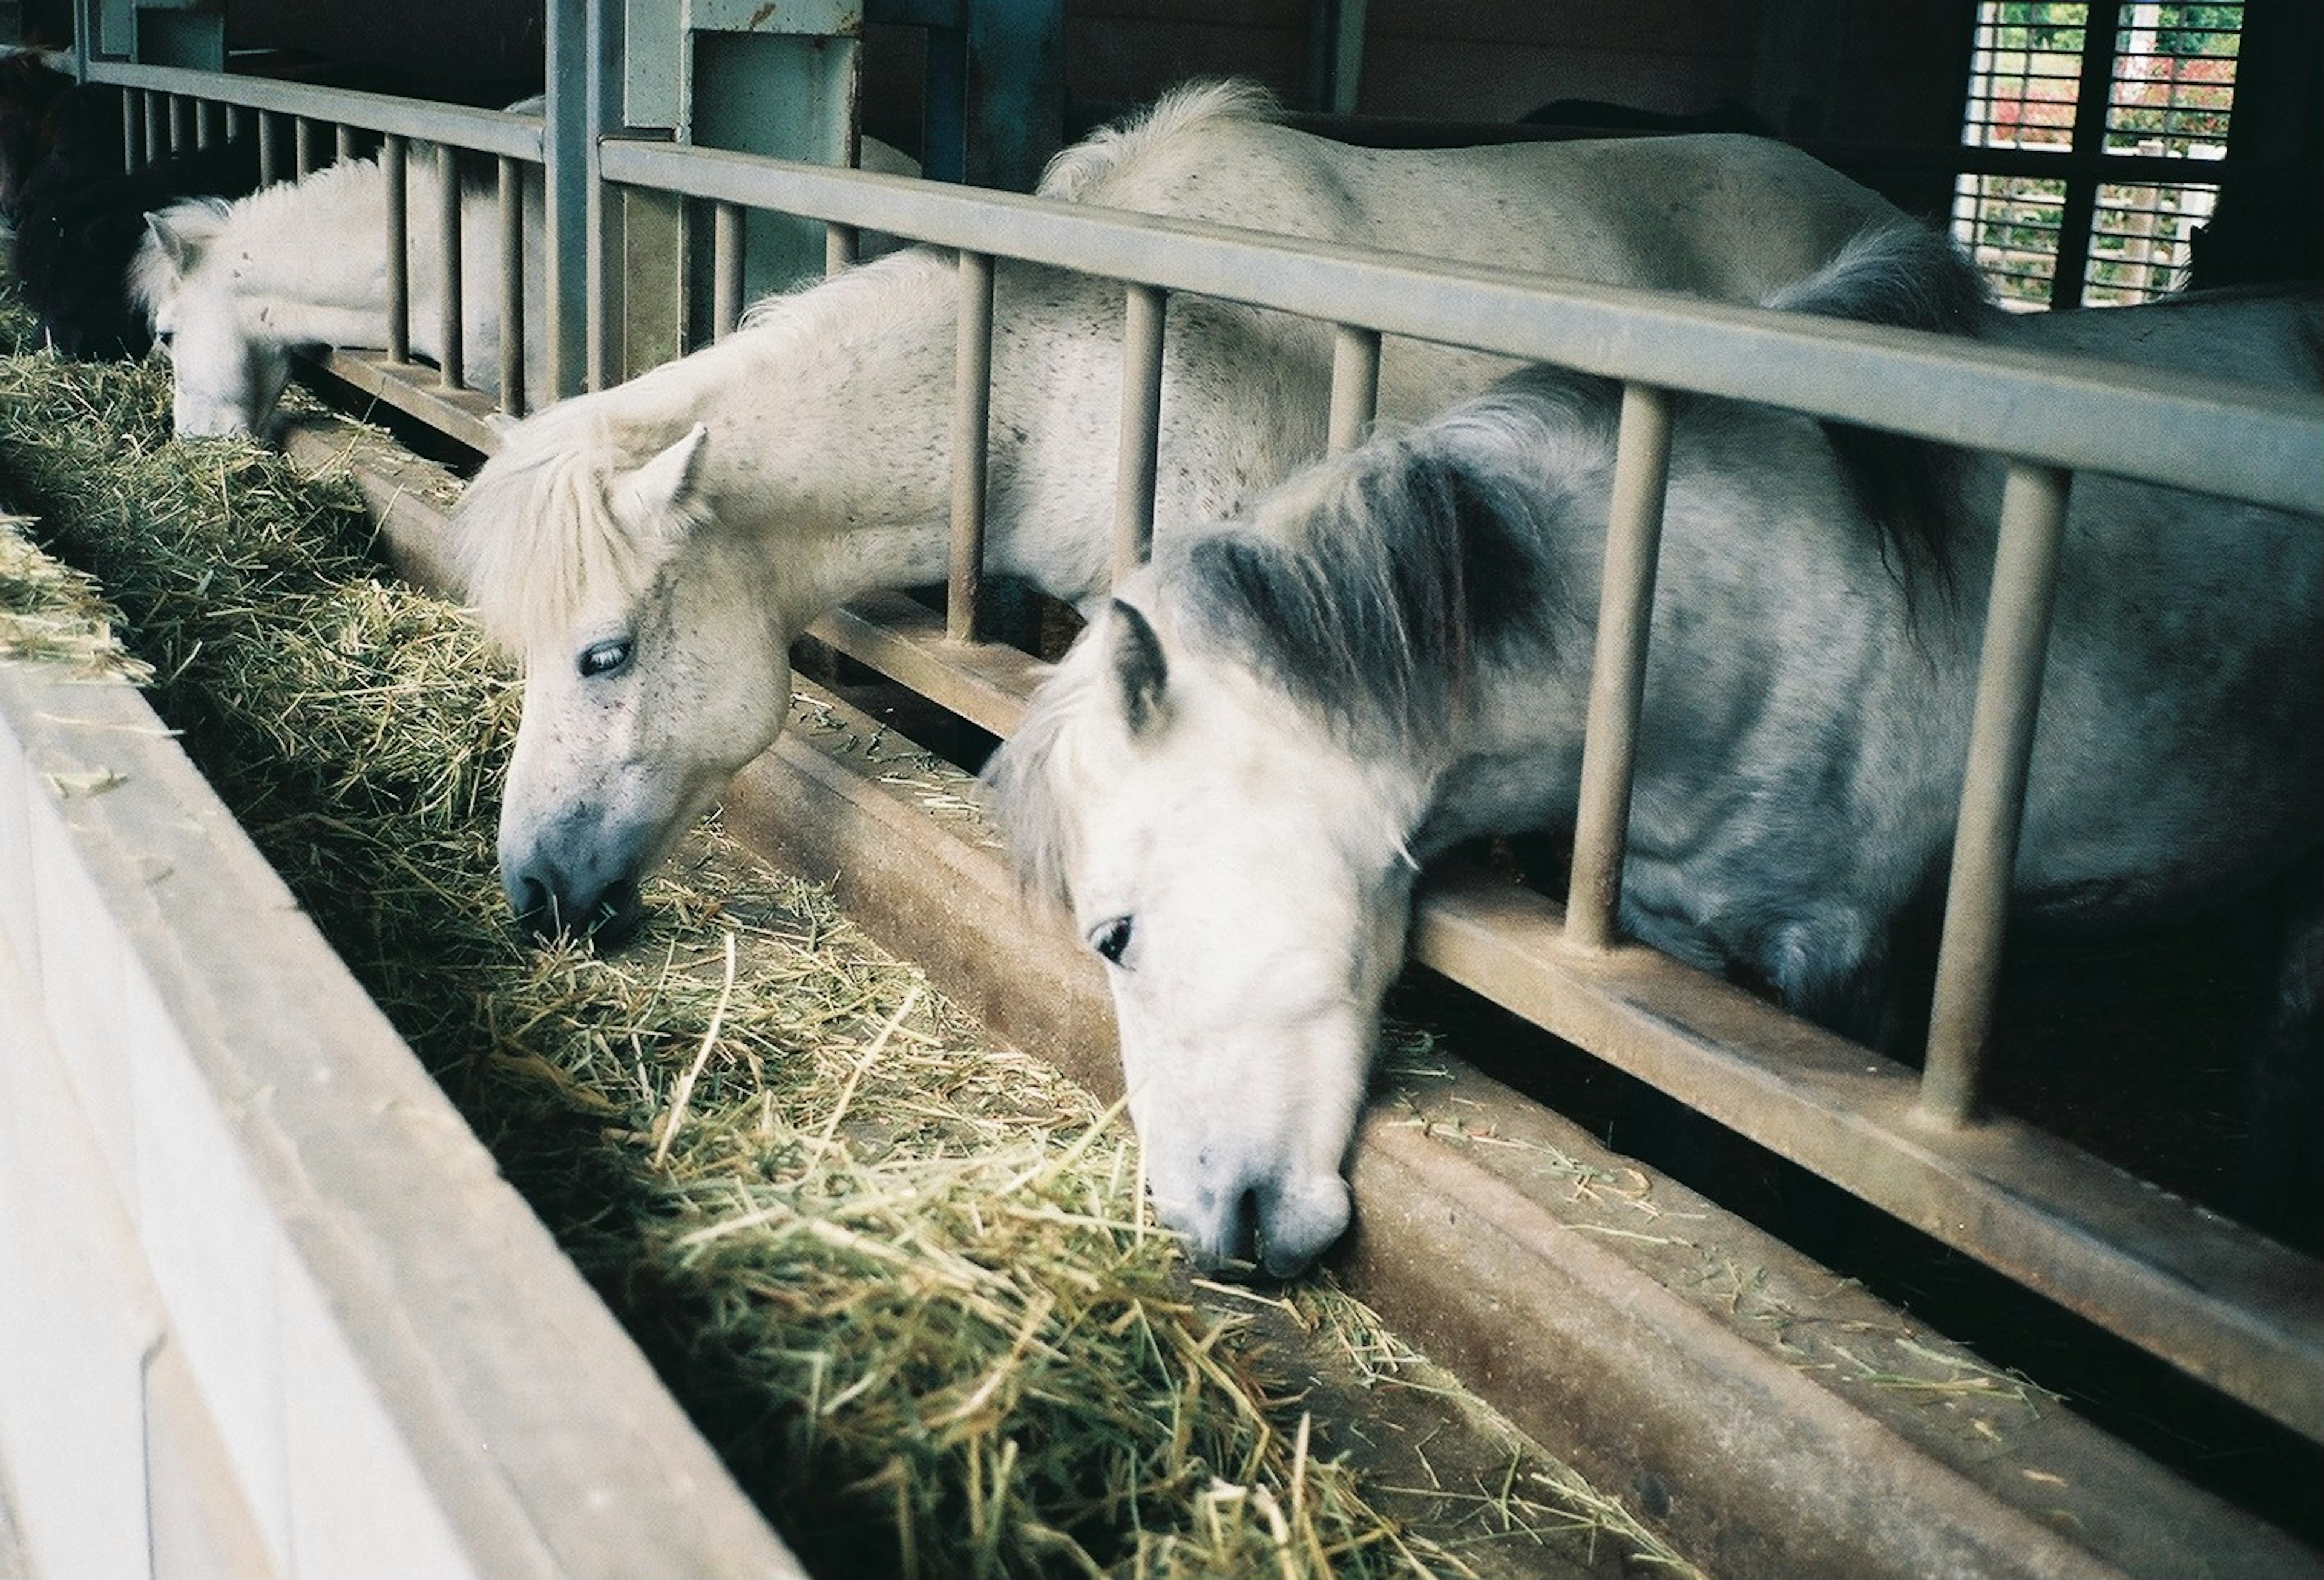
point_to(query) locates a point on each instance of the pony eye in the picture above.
(603, 658)
(1111, 940)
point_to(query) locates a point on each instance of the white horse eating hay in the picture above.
(233, 288)
(1232, 777)
(653, 550)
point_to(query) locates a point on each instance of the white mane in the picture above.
(536, 534)
(290, 220)
(1080, 174)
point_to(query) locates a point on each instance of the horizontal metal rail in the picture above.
(2081, 413)
(507, 133)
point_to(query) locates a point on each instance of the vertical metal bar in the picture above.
(343, 143)
(565, 181)
(132, 140)
(155, 130)
(512, 328)
(270, 148)
(1618, 682)
(1355, 385)
(971, 407)
(451, 356)
(240, 121)
(604, 22)
(302, 141)
(399, 253)
(840, 243)
(181, 123)
(1993, 787)
(725, 268)
(209, 123)
(2078, 213)
(1144, 311)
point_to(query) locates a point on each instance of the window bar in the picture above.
(1355, 385)
(270, 148)
(181, 123)
(1993, 787)
(510, 192)
(156, 128)
(725, 268)
(840, 244)
(209, 123)
(450, 356)
(2079, 213)
(344, 142)
(1634, 533)
(240, 121)
(971, 409)
(302, 144)
(1141, 427)
(399, 261)
(133, 141)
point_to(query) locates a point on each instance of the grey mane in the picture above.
(1411, 563)
(1905, 275)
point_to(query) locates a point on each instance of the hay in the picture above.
(901, 1278)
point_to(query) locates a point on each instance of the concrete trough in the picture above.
(267, 1308)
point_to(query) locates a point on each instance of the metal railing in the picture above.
(2217, 1300)
(167, 110)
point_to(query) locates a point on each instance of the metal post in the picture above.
(399, 256)
(725, 268)
(302, 142)
(510, 194)
(270, 148)
(181, 123)
(1144, 311)
(565, 135)
(133, 141)
(343, 143)
(603, 22)
(839, 249)
(450, 354)
(1618, 681)
(1355, 385)
(209, 123)
(972, 409)
(156, 131)
(1993, 787)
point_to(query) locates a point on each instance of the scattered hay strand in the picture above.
(902, 1280)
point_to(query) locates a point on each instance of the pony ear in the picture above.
(659, 489)
(183, 248)
(1138, 669)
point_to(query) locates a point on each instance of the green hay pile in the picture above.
(900, 1279)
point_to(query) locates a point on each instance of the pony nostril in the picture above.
(536, 907)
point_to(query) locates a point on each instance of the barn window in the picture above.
(2081, 119)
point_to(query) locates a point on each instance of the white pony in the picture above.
(233, 288)
(1232, 777)
(653, 550)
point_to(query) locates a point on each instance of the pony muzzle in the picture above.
(549, 906)
(1275, 1226)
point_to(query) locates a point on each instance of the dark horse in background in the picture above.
(78, 214)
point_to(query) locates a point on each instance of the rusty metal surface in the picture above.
(460, 414)
(1673, 1353)
(2215, 1300)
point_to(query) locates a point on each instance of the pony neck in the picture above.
(845, 476)
(309, 251)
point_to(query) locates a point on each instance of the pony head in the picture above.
(1244, 878)
(654, 669)
(227, 379)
